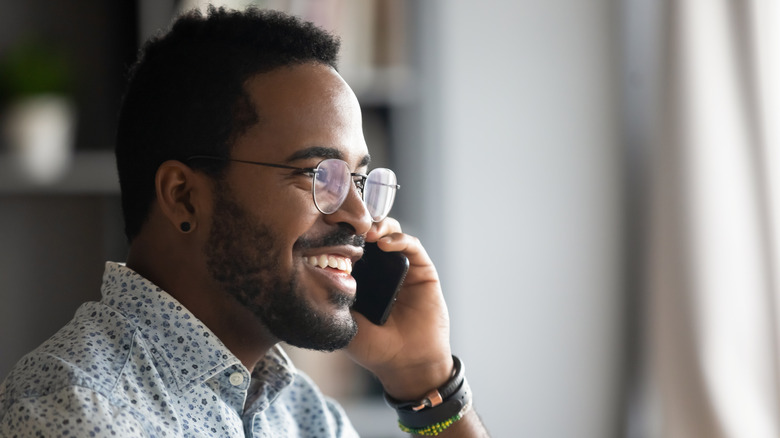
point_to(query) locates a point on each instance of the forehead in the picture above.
(302, 107)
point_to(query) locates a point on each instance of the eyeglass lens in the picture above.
(332, 184)
(379, 193)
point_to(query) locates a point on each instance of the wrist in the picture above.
(439, 409)
(414, 382)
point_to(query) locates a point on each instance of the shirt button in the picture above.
(236, 378)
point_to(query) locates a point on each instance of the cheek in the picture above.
(285, 208)
(282, 208)
(291, 216)
(290, 221)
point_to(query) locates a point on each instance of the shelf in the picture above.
(90, 173)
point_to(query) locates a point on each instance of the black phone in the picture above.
(379, 276)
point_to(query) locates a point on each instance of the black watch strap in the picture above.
(449, 409)
(438, 405)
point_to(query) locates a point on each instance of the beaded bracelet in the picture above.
(435, 429)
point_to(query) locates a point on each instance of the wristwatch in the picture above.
(438, 405)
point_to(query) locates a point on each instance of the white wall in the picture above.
(520, 208)
(510, 174)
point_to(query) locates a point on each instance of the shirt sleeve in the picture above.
(340, 420)
(71, 412)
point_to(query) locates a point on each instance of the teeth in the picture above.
(330, 261)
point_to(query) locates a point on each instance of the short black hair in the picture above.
(186, 95)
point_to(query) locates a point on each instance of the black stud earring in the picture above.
(185, 227)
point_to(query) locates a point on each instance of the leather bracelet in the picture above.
(438, 405)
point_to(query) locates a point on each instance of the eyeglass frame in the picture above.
(310, 171)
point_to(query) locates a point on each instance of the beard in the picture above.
(243, 258)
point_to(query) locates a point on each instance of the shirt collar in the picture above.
(191, 350)
(271, 375)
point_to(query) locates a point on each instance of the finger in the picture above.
(410, 246)
(383, 228)
(405, 243)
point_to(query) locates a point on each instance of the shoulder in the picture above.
(89, 352)
(71, 385)
(68, 411)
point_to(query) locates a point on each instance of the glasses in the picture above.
(331, 182)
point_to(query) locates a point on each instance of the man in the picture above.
(242, 167)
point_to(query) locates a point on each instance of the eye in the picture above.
(306, 172)
(360, 183)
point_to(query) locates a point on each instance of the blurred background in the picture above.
(596, 181)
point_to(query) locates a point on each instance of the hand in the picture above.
(411, 353)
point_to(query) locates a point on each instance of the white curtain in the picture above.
(710, 264)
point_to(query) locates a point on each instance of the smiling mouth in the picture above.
(339, 263)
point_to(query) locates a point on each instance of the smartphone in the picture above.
(379, 276)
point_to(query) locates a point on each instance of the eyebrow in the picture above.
(324, 153)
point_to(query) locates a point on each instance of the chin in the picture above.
(324, 326)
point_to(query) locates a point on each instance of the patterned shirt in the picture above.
(139, 364)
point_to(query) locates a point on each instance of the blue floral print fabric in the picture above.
(139, 364)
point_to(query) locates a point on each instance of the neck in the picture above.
(186, 278)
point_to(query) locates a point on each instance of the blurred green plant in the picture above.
(33, 68)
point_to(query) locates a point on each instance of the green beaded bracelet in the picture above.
(435, 429)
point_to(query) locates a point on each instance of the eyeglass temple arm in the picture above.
(283, 166)
(280, 166)
(364, 177)
(395, 186)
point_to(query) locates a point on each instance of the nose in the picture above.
(353, 212)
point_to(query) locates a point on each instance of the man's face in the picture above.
(266, 230)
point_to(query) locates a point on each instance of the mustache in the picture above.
(343, 236)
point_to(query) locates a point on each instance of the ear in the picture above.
(180, 194)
